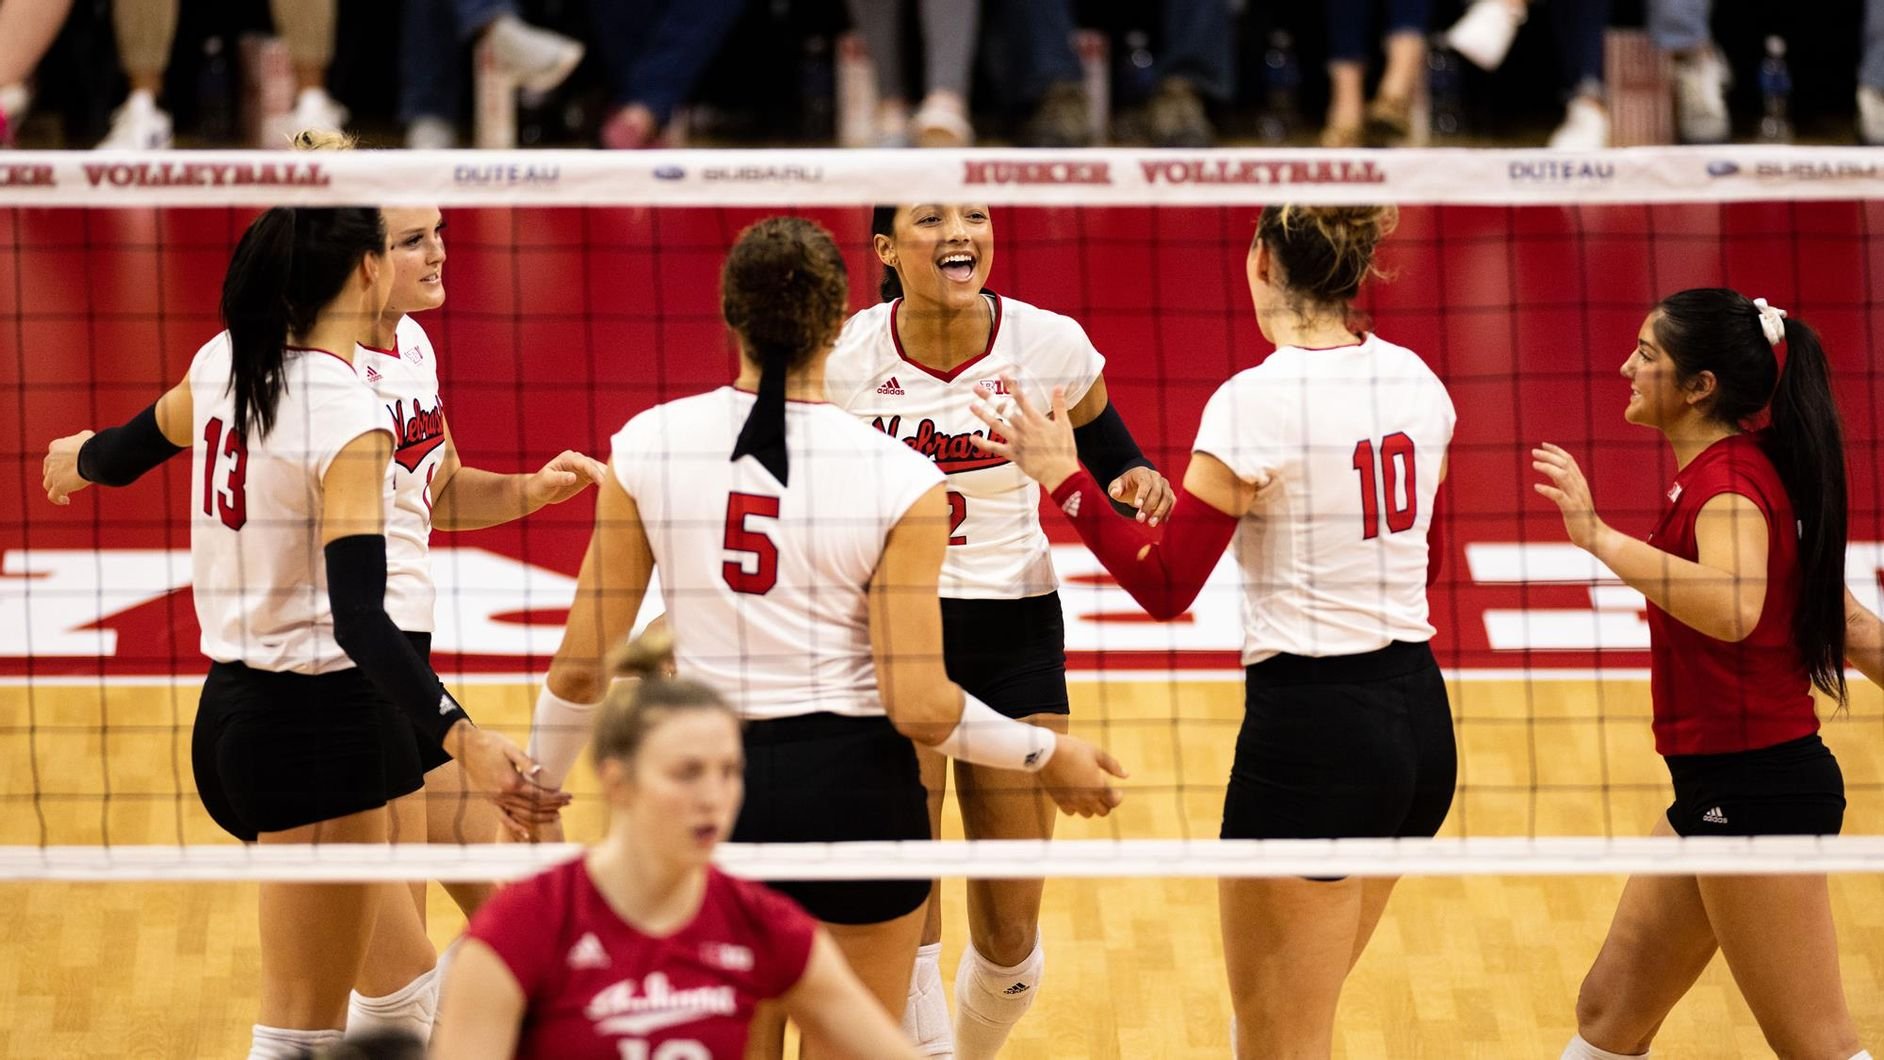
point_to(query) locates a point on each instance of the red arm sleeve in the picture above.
(1163, 576)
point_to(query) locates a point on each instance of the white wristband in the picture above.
(559, 730)
(990, 739)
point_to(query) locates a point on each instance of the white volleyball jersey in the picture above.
(766, 586)
(997, 549)
(406, 380)
(259, 573)
(1345, 447)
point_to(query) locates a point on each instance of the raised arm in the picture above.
(609, 589)
(1163, 576)
(469, 498)
(1864, 640)
(119, 456)
(1721, 595)
(927, 707)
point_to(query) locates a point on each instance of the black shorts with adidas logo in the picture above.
(1793, 788)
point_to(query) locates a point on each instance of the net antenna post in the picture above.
(267, 107)
(1095, 51)
(856, 93)
(494, 101)
(1639, 75)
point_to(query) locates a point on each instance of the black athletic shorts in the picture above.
(1010, 654)
(431, 752)
(273, 751)
(1793, 788)
(825, 778)
(1343, 746)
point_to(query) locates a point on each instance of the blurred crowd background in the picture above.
(1576, 74)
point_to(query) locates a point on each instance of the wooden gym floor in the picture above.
(1479, 967)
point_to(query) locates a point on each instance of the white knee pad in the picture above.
(407, 1011)
(990, 1000)
(926, 1013)
(285, 1043)
(1578, 1049)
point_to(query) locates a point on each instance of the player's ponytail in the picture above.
(1807, 447)
(883, 223)
(634, 708)
(783, 291)
(1721, 331)
(288, 266)
(1325, 252)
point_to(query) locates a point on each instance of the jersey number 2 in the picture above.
(756, 571)
(1396, 463)
(231, 502)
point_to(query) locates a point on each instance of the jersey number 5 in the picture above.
(756, 571)
(231, 502)
(1396, 464)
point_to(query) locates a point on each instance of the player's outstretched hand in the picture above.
(496, 767)
(60, 469)
(1079, 777)
(1038, 442)
(1143, 488)
(1571, 493)
(563, 477)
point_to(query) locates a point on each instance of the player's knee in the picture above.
(1601, 1012)
(1010, 941)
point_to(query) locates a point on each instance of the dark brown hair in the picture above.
(632, 711)
(1718, 330)
(1325, 252)
(783, 291)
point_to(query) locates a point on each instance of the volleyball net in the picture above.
(584, 287)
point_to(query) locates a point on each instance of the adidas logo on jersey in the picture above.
(1714, 816)
(588, 953)
(1017, 988)
(1071, 507)
(444, 703)
(892, 388)
(372, 375)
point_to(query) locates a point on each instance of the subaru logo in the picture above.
(669, 173)
(1722, 168)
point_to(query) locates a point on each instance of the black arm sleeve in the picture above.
(119, 456)
(356, 586)
(1108, 451)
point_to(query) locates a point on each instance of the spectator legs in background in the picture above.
(1392, 118)
(308, 28)
(27, 28)
(654, 51)
(1579, 26)
(1680, 27)
(1040, 36)
(881, 24)
(1871, 76)
(146, 29)
(1194, 61)
(950, 29)
(433, 67)
(1483, 35)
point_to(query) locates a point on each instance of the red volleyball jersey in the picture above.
(1715, 696)
(595, 986)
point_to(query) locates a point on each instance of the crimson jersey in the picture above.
(1715, 696)
(595, 987)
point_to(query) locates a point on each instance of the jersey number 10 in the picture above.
(1393, 480)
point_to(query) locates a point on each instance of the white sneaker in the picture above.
(431, 134)
(1485, 32)
(315, 109)
(138, 125)
(1871, 115)
(1585, 127)
(536, 59)
(1701, 82)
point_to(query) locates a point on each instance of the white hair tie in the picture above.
(1772, 321)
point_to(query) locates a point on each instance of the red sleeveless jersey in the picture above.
(1714, 696)
(594, 986)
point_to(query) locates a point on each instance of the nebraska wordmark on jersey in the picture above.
(1345, 447)
(766, 585)
(997, 549)
(258, 571)
(406, 380)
